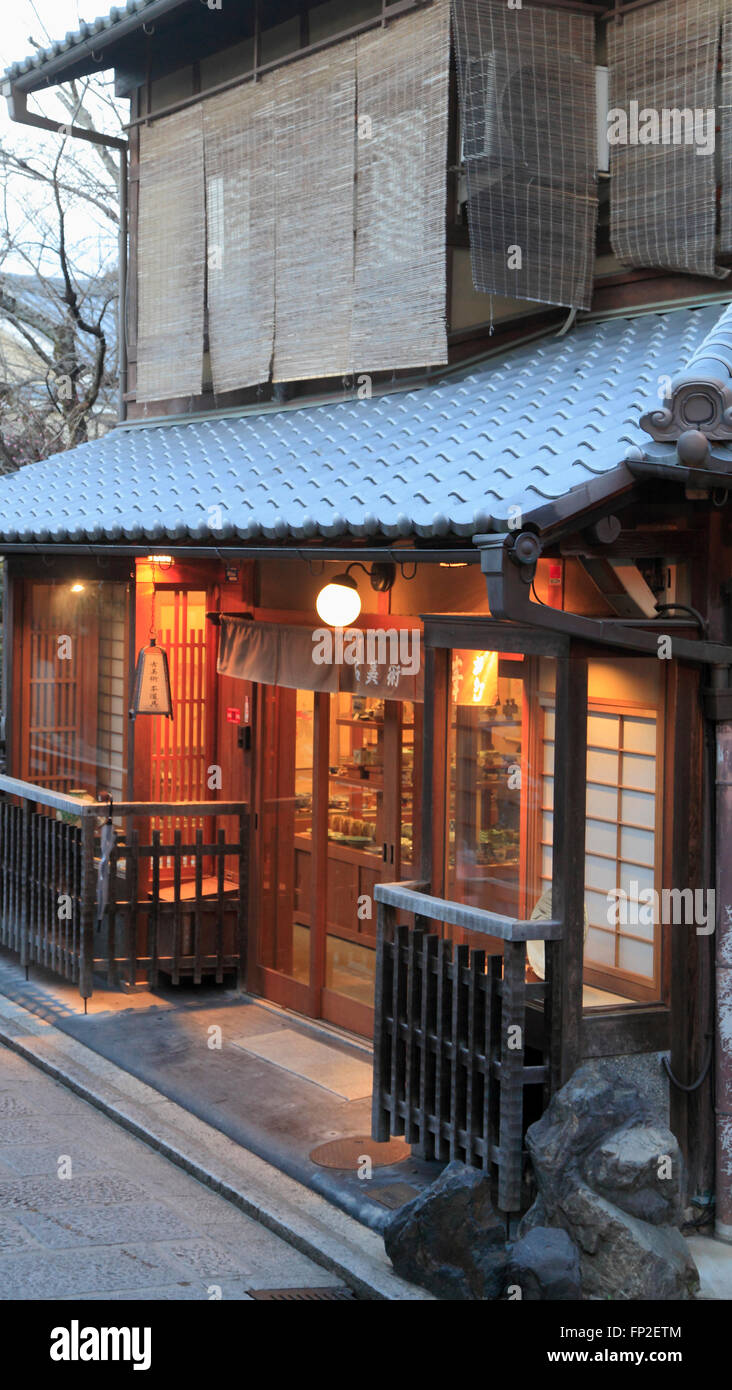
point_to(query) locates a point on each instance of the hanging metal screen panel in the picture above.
(725, 121)
(526, 80)
(315, 138)
(240, 229)
(171, 258)
(400, 289)
(662, 194)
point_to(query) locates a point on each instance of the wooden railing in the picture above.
(450, 1041)
(49, 885)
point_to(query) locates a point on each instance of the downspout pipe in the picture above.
(509, 565)
(17, 102)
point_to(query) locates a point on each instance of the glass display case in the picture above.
(356, 774)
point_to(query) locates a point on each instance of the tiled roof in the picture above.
(103, 26)
(446, 458)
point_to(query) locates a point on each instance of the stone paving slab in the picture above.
(266, 1232)
(140, 1228)
(269, 1105)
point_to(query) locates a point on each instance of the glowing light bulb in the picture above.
(77, 588)
(339, 602)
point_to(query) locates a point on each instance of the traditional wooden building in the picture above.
(398, 325)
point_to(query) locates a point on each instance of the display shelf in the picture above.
(363, 783)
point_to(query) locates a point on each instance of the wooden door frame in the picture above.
(314, 1000)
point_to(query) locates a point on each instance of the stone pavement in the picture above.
(162, 1039)
(303, 1218)
(126, 1223)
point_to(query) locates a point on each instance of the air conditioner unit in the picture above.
(510, 111)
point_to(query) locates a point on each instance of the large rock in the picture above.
(585, 1110)
(640, 1170)
(544, 1264)
(624, 1258)
(449, 1239)
(611, 1175)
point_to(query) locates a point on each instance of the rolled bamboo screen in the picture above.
(400, 291)
(315, 137)
(239, 149)
(526, 80)
(662, 210)
(171, 258)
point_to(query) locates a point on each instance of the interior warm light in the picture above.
(77, 588)
(339, 602)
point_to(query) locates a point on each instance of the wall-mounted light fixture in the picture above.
(77, 588)
(339, 602)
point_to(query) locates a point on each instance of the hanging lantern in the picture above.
(151, 692)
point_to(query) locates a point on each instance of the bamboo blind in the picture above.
(239, 157)
(171, 259)
(400, 291)
(662, 211)
(315, 139)
(526, 80)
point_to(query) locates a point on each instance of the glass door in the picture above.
(372, 793)
(338, 802)
(285, 846)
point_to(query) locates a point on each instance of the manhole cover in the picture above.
(347, 1153)
(392, 1195)
(300, 1295)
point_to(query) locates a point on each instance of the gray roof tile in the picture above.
(446, 458)
(104, 23)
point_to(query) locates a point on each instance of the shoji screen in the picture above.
(315, 137)
(399, 296)
(240, 229)
(662, 196)
(171, 258)
(527, 94)
(620, 839)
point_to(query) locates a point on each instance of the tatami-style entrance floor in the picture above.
(275, 1083)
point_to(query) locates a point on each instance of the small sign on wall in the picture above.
(233, 715)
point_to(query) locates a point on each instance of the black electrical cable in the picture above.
(702, 1075)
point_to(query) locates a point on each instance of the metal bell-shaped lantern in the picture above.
(151, 693)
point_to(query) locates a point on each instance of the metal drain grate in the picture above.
(395, 1195)
(304, 1295)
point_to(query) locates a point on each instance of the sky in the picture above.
(44, 21)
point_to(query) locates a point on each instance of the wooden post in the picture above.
(382, 1070)
(153, 947)
(513, 1029)
(243, 903)
(568, 867)
(87, 907)
(24, 885)
(133, 873)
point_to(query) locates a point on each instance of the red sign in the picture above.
(233, 715)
